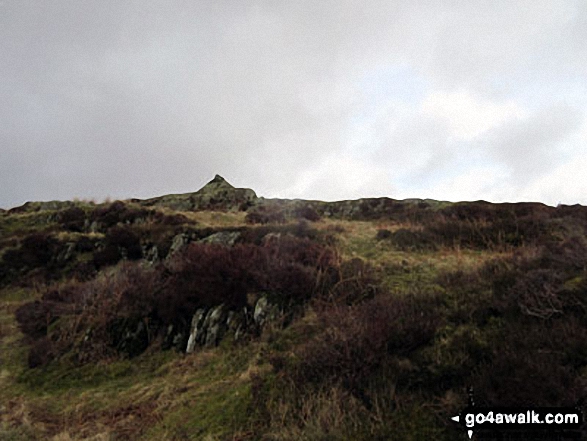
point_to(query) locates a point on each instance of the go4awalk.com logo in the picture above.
(537, 423)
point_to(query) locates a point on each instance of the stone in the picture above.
(215, 325)
(178, 242)
(265, 312)
(237, 323)
(197, 330)
(227, 238)
(67, 253)
(134, 340)
(150, 253)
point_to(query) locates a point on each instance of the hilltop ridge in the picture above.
(217, 194)
(242, 313)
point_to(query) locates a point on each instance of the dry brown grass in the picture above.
(213, 218)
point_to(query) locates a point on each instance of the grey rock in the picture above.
(265, 312)
(67, 253)
(215, 325)
(227, 238)
(237, 323)
(178, 242)
(134, 341)
(150, 253)
(197, 330)
(94, 227)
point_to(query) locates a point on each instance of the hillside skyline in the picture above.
(218, 179)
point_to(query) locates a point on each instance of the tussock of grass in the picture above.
(217, 218)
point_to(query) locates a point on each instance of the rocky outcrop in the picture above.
(217, 194)
(226, 238)
(30, 207)
(210, 325)
(181, 240)
(178, 243)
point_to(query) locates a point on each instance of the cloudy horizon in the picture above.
(324, 100)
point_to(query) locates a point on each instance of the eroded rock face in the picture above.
(210, 326)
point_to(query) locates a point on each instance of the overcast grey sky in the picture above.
(452, 100)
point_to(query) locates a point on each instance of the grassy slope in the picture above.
(145, 398)
(207, 395)
(162, 395)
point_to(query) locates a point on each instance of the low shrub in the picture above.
(125, 308)
(408, 240)
(360, 342)
(34, 318)
(41, 352)
(36, 250)
(72, 219)
(120, 242)
(383, 234)
(306, 212)
(351, 282)
(118, 212)
(38, 256)
(527, 368)
(108, 215)
(265, 214)
(208, 275)
(126, 240)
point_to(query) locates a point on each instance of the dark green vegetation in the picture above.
(320, 321)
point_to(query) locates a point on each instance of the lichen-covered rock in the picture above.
(265, 312)
(30, 207)
(210, 326)
(150, 253)
(174, 338)
(197, 331)
(215, 325)
(237, 323)
(227, 238)
(177, 243)
(66, 253)
(92, 227)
